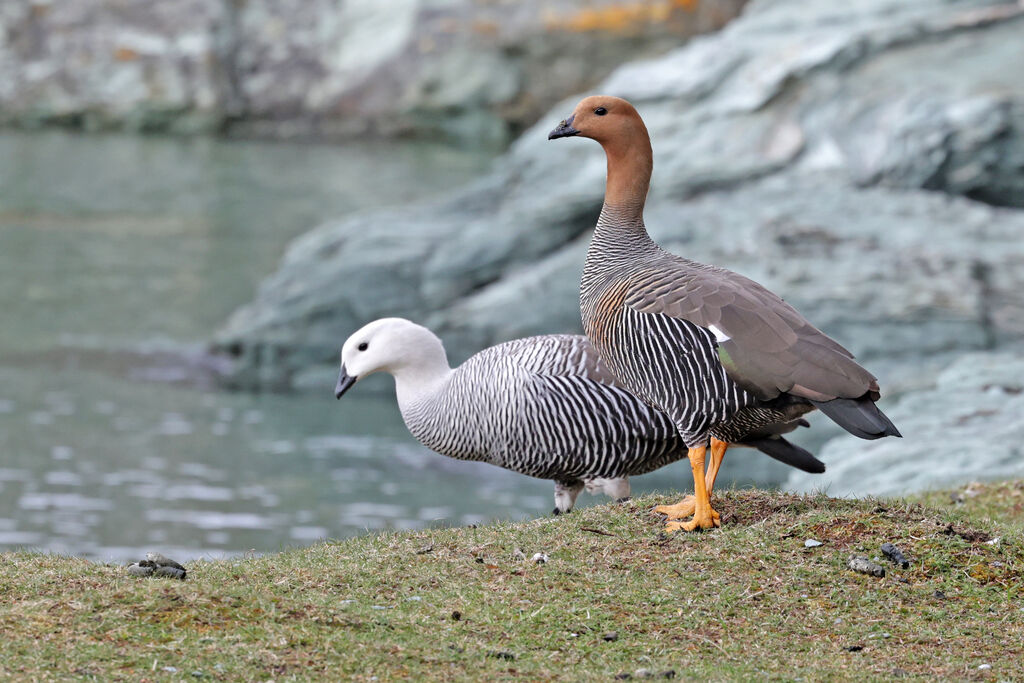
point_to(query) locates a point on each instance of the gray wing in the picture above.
(765, 345)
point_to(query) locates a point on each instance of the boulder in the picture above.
(102, 63)
(968, 426)
(862, 159)
(468, 69)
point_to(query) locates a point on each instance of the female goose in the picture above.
(712, 349)
(542, 406)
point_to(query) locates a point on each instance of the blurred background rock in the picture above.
(472, 70)
(864, 160)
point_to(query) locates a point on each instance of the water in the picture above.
(118, 258)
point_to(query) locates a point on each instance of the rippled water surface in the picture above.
(118, 257)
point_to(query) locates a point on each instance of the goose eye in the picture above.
(363, 346)
(600, 111)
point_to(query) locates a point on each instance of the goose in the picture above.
(543, 406)
(715, 351)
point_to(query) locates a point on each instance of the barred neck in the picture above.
(618, 221)
(620, 235)
(437, 416)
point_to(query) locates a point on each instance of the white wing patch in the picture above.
(719, 335)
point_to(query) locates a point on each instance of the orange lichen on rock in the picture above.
(487, 28)
(125, 54)
(620, 17)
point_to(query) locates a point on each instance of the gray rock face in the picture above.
(348, 67)
(968, 426)
(834, 151)
(92, 63)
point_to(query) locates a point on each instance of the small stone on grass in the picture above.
(156, 564)
(859, 563)
(502, 654)
(135, 569)
(163, 561)
(895, 555)
(170, 573)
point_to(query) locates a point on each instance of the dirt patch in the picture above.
(969, 535)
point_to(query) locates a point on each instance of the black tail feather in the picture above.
(787, 453)
(860, 416)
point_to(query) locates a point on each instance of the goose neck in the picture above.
(420, 384)
(630, 163)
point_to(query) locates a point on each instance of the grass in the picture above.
(617, 598)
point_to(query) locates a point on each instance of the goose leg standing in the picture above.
(688, 505)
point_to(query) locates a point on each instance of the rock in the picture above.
(288, 67)
(161, 560)
(135, 569)
(157, 564)
(975, 407)
(539, 558)
(99, 63)
(859, 563)
(170, 573)
(895, 555)
(502, 654)
(810, 147)
(812, 543)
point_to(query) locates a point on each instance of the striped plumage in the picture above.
(542, 406)
(670, 363)
(717, 352)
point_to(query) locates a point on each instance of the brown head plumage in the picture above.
(603, 118)
(615, 123)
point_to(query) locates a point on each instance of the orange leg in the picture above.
(688, 505)
(718, 449)
(703, 514)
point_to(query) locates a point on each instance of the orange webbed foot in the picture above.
(683, 509)
(698, 523)
(680, 510)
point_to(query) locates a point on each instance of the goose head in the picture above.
(409, 352)
(600, 117)
(615, 123)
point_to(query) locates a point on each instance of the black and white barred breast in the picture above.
(670, 363)
(546, 407)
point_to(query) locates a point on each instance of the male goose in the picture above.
(542, 406)
(714, 350)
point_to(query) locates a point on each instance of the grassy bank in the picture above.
(616, 598)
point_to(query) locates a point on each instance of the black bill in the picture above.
(564, 129)
(345, 383)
